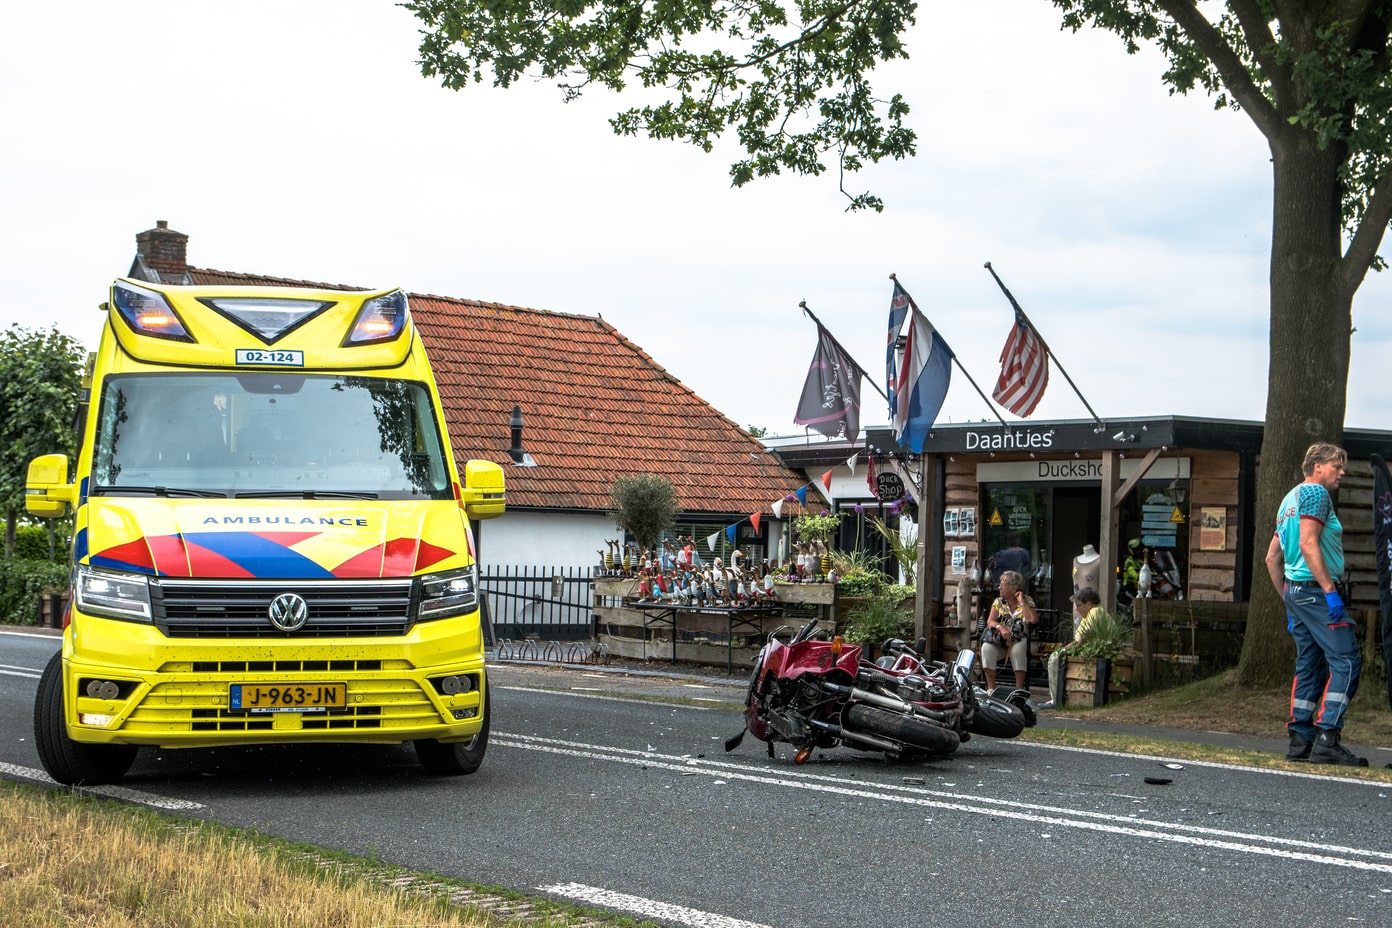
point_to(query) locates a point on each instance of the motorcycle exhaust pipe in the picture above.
(893, 703)
(879, 744)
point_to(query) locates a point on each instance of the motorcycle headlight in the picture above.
(449, 593)
(114, 595)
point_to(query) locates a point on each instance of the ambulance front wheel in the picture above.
(68, 761)
(457, 759)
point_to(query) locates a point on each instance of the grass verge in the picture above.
(68, 860)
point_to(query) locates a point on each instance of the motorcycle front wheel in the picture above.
(906, 729)
(996, 718)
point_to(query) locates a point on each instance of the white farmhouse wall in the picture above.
(544, 539)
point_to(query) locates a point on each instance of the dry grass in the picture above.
(80, 863)
(1219, 703)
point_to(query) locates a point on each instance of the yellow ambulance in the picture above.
(272, 543)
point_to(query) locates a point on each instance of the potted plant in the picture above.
(904, 552)
(814, 531)
(1101, 662)
(879, 616)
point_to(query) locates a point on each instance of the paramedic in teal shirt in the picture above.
(1305, 559)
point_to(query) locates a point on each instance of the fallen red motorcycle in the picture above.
(1001, 713)
(814, 692)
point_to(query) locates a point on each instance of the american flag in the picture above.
(1024, 369)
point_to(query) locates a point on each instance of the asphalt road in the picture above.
(584, 794)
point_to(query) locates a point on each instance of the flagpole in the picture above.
(839, 347)
(964, 371)
(1009, 296)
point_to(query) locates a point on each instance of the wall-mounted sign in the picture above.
(889, 487)
(1068, 470)
(1213, 528)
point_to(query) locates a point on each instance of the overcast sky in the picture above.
(299, 139)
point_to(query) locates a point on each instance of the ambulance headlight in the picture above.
(114, 595)
(381, 319)
(448, 593)
(148, 312)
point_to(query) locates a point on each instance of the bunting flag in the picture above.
(851, 462)
(778, 509)
(754, 518)
(830, 401)
(922, 384)
(898, 309)
(802, 495)
(730, 532)
(1024, 369)
(711, 540)
(826, 481)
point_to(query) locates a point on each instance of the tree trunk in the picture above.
(1311, 319)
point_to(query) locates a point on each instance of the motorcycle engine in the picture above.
(914, 689)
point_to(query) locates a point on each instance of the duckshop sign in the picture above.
(1055, 437)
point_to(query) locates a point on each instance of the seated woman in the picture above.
(1086, 605)
(1007, 630)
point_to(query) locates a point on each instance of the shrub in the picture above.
(22, 582)
(1108, 636)
(31, 543)
(879, 617)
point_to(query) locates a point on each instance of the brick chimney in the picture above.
(161, 255)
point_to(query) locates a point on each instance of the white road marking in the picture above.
(1178, 833)
(1269, 771)
(647, 908)
(113, 792)
(582, 694)
(8, 671)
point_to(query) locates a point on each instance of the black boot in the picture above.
(1299, 748)
(1328, 750)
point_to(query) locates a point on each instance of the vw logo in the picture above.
(288, 612)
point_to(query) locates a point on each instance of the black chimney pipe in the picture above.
(516, 451)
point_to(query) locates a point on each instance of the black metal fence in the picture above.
(550, 603)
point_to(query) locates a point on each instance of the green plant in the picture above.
(812, 526)
(857, 572)
(32, 542)
(879, 617)
(647, 506)
(904, 552)
(1106, 635)
(22, 582)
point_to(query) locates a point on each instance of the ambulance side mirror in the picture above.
(483, 493)
(47, 492)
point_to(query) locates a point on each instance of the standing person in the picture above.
(1086, 605)
(1305, 557)
(1007, 630)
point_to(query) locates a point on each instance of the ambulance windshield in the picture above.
(273, 434)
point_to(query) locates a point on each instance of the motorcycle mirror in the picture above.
(921, 645)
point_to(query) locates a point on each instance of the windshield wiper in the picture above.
(162, 491)
(305, 494)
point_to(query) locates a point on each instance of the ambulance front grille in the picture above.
(241, 609)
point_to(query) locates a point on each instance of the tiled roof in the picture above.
(595, 406)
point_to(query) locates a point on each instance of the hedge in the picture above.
(22, 581)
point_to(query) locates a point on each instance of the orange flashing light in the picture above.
(836, 645)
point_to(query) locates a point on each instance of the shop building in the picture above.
(1175, 493)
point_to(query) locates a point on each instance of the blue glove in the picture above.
(1336, 606)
